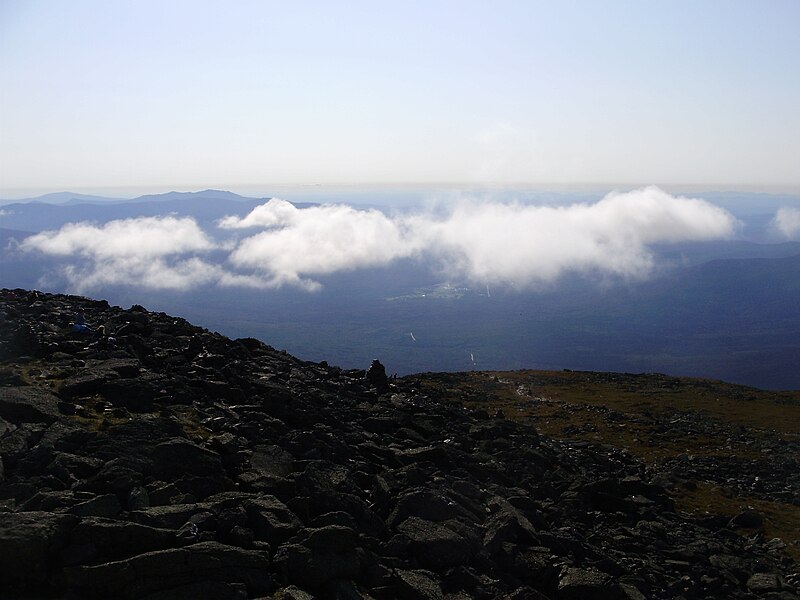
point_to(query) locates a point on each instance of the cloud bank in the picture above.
(145, 237)
(482, 242)
(787, 223)
(317, 241)
(153, 252)
(498, 243)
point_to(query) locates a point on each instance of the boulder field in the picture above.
(154, 459)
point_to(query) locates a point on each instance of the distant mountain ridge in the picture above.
(64, 198)
(206, 207)
(203, 194)
(72, 198)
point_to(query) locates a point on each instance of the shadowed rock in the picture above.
(182, 464)
(315, 556)
(170, 571)
(29, 546)
(28, 405)
(435, 545)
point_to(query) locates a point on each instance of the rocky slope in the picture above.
(165, 461)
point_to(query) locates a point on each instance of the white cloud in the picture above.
(142, 272)
(317, 241)
(144, 237)
(275, 213)
(147, 251)
(529, 244)
(787, 223)
(485, 242)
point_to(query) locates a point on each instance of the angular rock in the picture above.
(136, 395)
(29, 546)
(165, 571)
(28, 405)
(417, 585)
(425, 504)
(178, 456)
(138, 498)
(272, 521)
(79, 467)
(106, 505)
(168, 517)
(764, 583)
(202, 590)
(434, 545)
(87, 382)
(748, 518)
(315, 556)
(293, 592)
(271, 460)
(532, 566)
(579, 584)
(97, 539)
(507, 524)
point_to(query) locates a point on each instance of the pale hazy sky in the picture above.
(195, 94)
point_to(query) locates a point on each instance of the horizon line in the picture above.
(123, 191)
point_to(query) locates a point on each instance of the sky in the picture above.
(101, 95)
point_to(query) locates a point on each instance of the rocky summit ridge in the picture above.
(155, 459)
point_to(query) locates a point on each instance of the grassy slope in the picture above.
(655, 418)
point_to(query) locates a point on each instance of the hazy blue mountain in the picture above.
(204, 194)
(64, 198)
(744, 204)
(694, 253)
(71, 198)
(207, 207)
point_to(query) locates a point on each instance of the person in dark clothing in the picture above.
(80, 325)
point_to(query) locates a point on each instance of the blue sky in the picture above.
(187, 95)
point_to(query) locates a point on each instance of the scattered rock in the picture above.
(182, 464)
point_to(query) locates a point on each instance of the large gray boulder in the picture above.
(167, 572)
(318, 555)
(28, 405)
(178, 456)
(99, 539)
(30, 543)
(579, 583)
(434, 545)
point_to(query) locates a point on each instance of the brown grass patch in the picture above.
(652, 417)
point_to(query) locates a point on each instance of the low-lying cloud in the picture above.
(303, 243)
(153, 252)
(144, 237)
(787, 223)
(532, 244)
(483, 242)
